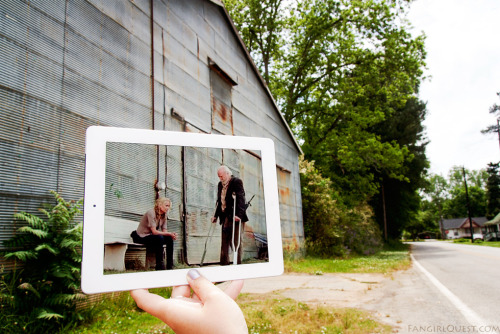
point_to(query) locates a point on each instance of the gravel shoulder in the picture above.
(402, 299)
(339, 290)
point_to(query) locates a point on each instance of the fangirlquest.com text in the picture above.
(453, 329)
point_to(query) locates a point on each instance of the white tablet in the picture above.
(127, 170)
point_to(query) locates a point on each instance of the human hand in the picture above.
(236, 218)
(173, 235)
(214, 219)
(209, 310)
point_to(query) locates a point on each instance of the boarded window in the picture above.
(220, 94)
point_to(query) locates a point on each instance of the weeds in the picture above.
(385, 261)
(118, 313)
(40, 293)
(267, 314)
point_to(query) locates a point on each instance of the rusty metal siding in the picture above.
(70, 64)
(251, 174)
(254, 114)
(174, 182)
(201, 193)
(222, 113)
(288, 212)
(65, 65)
(286, 156)
(129, 185)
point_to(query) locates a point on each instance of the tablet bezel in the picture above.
(93, 279)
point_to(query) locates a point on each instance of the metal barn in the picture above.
(176, 65)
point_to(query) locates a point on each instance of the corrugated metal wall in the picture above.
(201, 196)
(129, 195)
(69, 64)
(131, 172)
(65, 65)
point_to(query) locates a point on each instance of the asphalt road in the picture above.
(468, 277)
(450, 288)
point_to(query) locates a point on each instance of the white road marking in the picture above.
(472, 317)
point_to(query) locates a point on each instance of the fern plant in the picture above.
(45, 282)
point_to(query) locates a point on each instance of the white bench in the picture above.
(117, 240)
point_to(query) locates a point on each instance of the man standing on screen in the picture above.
(228, 186)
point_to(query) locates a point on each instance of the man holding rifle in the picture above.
(230, 204)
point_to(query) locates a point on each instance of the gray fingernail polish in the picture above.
(193, 274)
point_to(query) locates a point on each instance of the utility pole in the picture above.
(385, 215)
(468, 207)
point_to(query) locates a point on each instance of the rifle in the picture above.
(248, 203)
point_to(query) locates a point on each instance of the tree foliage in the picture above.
(261, 24)
(42, 290)
(330, 227)
(398, 204)
(337, 69)
(445, 198)
(495, 110)
(456, 205)
(432, 206)
(492, 190)
(345, 75)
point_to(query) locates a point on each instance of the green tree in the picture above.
(495, 110)
(492, 190)
(456, 205)
(435, 194)
(343, 68)
(445, 198)
(398, 203)
(261, 24)
(350, 68)
(423, 222)
(330, 227)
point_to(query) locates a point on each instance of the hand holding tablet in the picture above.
(209, 310)
(121, 163)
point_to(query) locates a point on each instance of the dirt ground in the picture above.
(389, 298)
(339, 290)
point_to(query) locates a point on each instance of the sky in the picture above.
(463, 63)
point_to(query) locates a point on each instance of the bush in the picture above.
(40, 293)
(330, 227)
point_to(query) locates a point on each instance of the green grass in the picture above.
(385, 261)
(270, 313)
(490, 243)
(119, 314)
(274, 314)
(478, 242)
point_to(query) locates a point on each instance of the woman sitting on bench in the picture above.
(152, 232)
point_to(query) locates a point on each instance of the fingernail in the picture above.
(193, 274)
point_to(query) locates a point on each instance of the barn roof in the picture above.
(256, 70)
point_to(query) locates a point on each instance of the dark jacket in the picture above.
(235, 186)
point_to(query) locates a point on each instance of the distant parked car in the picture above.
(492, 236)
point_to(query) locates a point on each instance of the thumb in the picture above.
(220, 311)
(202, 287)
